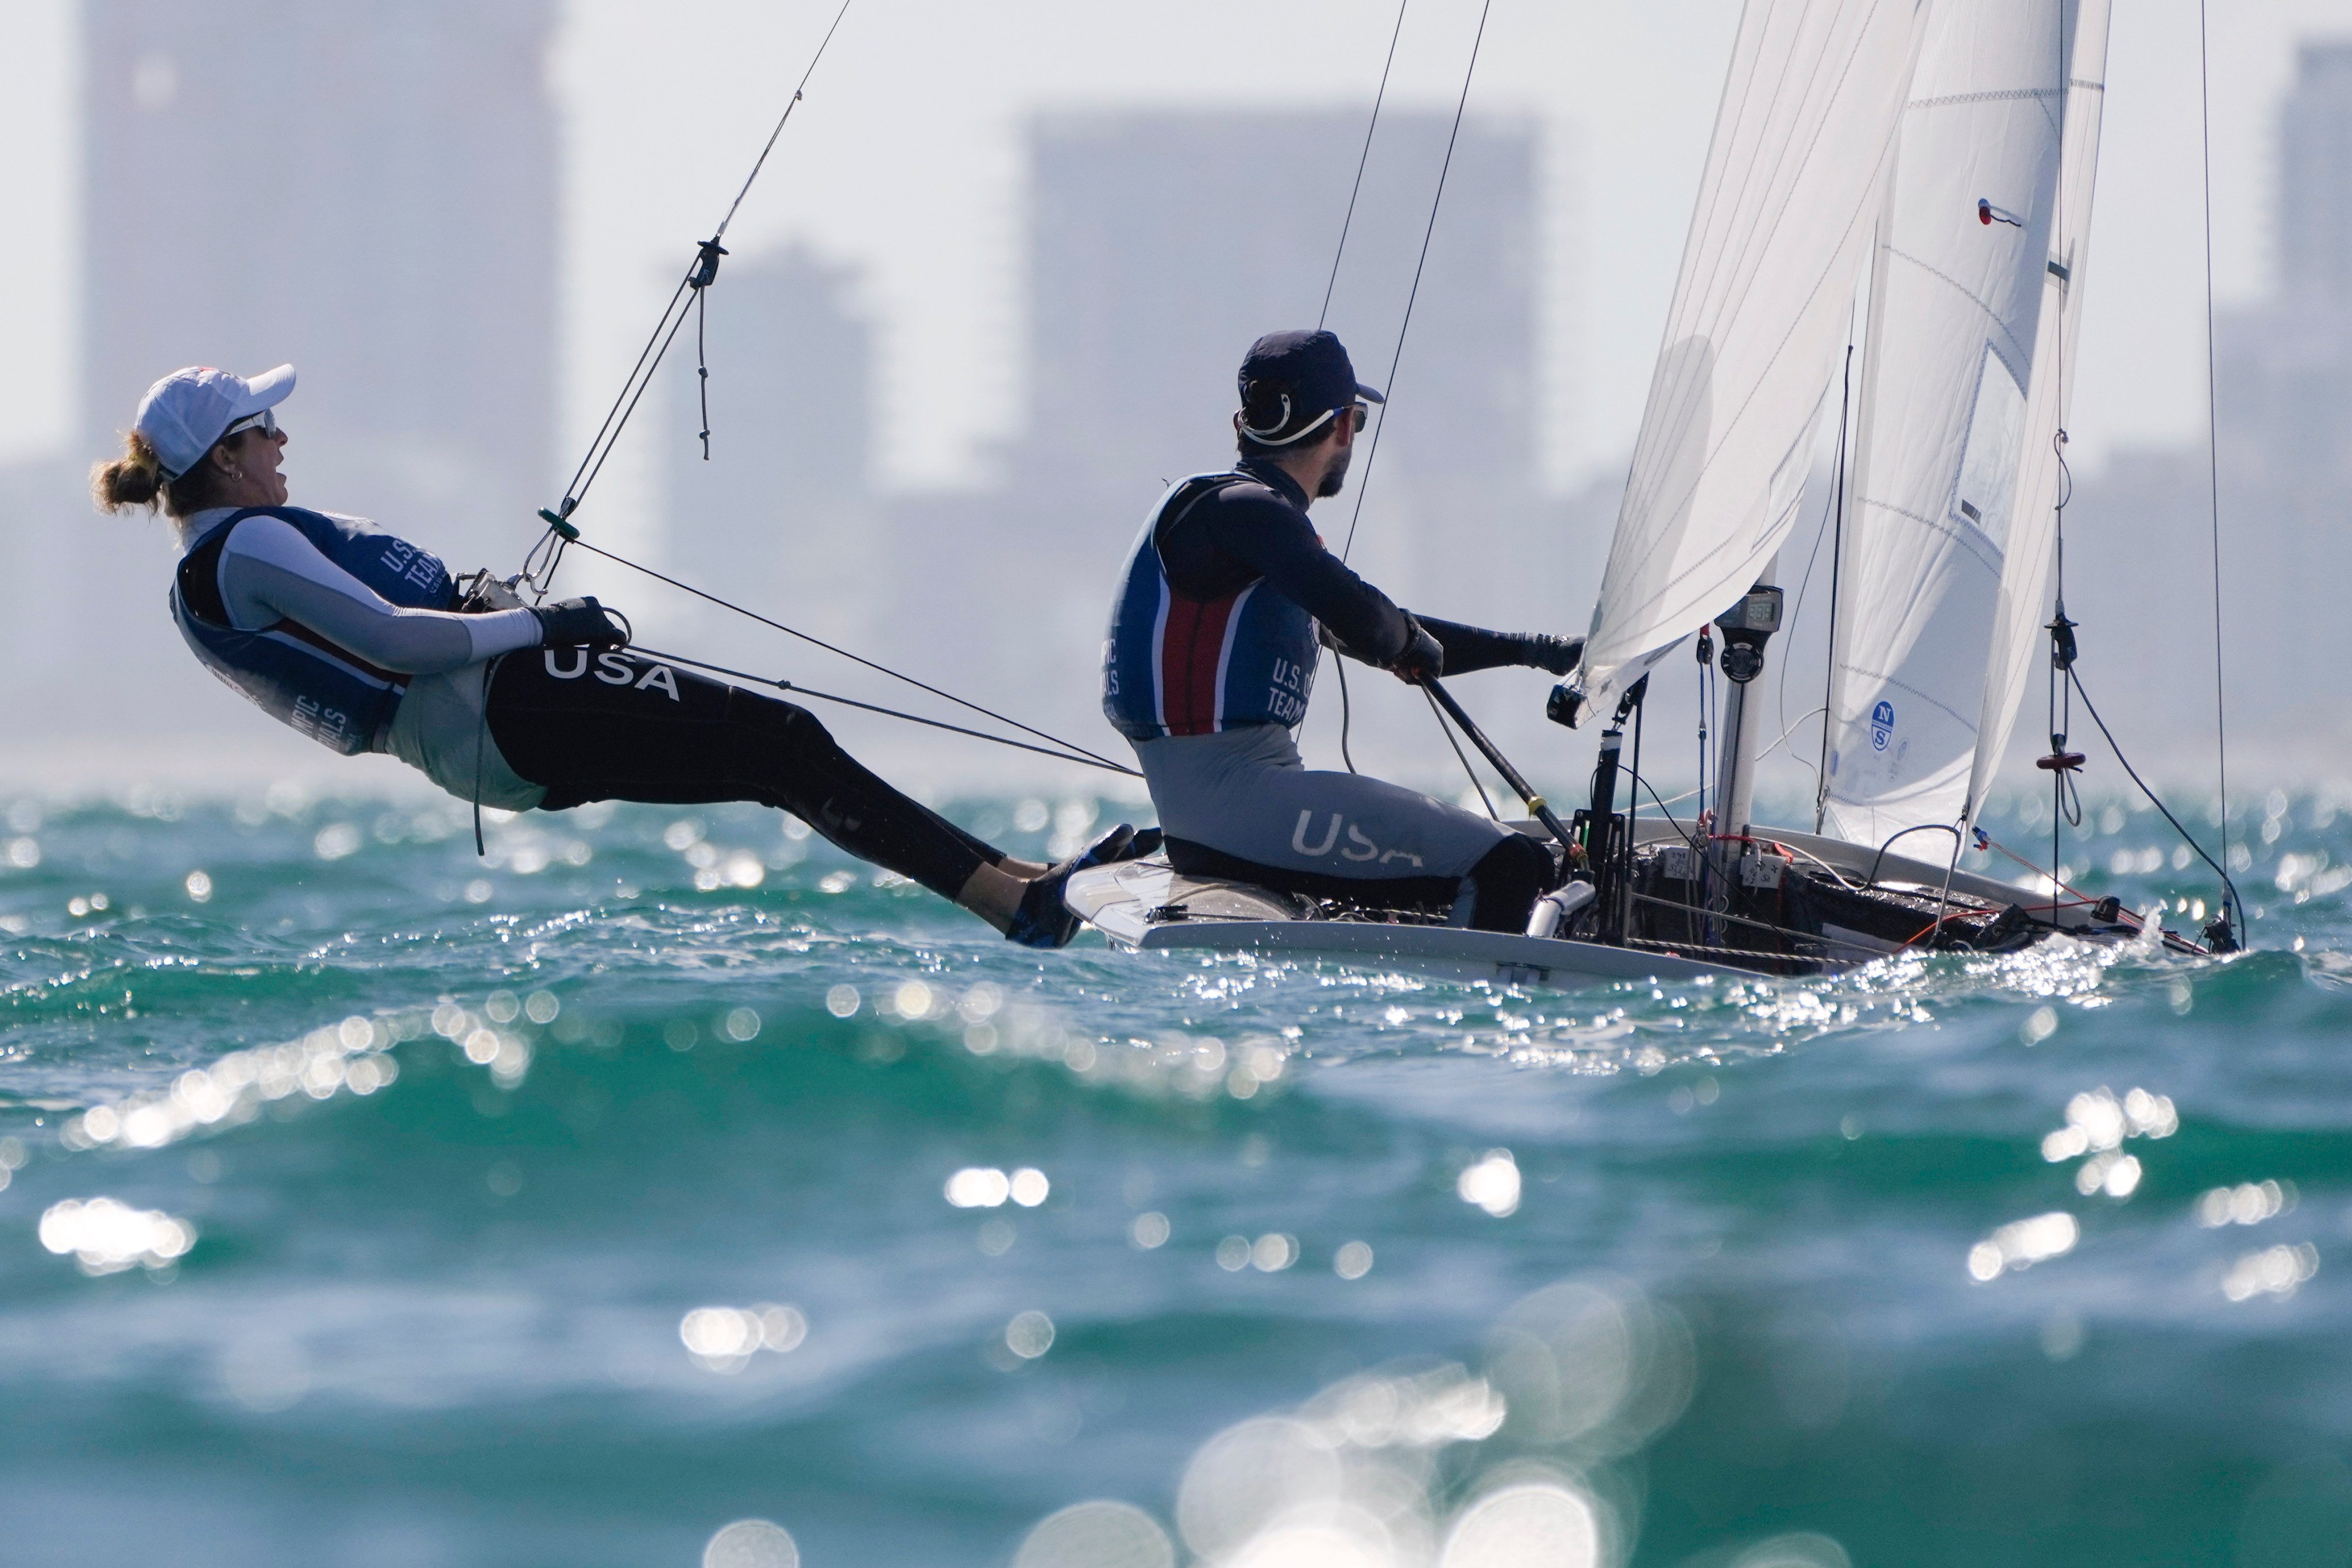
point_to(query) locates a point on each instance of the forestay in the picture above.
(1957, 295)
(1760, 316)
(2018, 632)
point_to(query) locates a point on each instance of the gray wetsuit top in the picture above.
(269, 572)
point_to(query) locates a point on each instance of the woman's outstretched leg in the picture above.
(614, 726)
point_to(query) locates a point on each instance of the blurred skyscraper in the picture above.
(782, 518)
(1163, 244)
(2141, 542)
(366, 189)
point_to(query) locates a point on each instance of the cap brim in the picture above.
(1369, 393)
(267, 390)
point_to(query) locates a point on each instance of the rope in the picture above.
(1069, 746)
(1371, 456)
(2213, 455)
(2229, 888)
(1339, 668)
(1447, 731)
(1088, 760)
(1364, 158)
(690, 288)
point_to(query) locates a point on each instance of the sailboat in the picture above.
(1936, 161)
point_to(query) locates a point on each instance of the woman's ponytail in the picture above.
(134, 478)
(137, 479)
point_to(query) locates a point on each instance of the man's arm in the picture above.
(1274, 542)
(1469, 649)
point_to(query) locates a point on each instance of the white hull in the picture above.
(1146, 906)
(1122, 900)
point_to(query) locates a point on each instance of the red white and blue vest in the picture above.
(1180, 666)
(298, 677)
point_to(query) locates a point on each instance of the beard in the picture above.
(1334, 477)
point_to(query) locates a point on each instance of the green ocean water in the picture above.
(370, 1204)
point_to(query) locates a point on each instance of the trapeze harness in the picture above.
(351, 636)
(1207, 668)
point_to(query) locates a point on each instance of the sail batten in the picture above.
(1778, 239)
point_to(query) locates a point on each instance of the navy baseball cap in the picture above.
(1292, 382)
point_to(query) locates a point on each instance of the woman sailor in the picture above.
(353, 637)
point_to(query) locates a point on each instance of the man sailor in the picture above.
(1212, 652)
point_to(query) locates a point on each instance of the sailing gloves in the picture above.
(1423, 659)
(1429, 654)
(580, 623)
(1560, 656)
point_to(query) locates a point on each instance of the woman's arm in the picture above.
(270, 572)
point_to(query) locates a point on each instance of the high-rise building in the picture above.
(2314, 177)
(1161, 244)
(782, 517)
(365, 189)
(2141, 538)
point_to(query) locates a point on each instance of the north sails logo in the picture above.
(1882, 726)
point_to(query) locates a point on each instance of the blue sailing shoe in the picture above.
(1043, 920)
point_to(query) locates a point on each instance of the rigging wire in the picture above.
(1339, 660)
(2212, 452)
(1076, 751)
(691, 296)
(690, 288)
(1446, 729)
(1380, 423)
(1088, 761)
(2230, 888)
(1362, 159)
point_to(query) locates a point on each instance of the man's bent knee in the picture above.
(1507, 881)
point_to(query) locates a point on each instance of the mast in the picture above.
(1745, 628)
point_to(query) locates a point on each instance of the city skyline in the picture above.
(940, 571)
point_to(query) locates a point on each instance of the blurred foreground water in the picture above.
(667, 1189)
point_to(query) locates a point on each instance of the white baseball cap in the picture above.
(184, 414)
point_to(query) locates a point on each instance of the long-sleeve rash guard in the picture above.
(1245, 531)
(269, 572)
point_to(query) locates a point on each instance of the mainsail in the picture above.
(1949, 537)
(1760, 311)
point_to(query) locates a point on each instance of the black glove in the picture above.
(1560, 656)
(1423, 658)
(578, 623)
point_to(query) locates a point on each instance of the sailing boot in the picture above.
(1043, 920)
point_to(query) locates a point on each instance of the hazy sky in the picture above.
(904, 160)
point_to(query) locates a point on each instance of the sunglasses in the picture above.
(267, 423)
(1361, 413)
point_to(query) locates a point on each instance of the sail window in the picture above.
(1989, 460)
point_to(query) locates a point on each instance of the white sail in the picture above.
(2018, 634)
(1958, 288)
(1760, 316)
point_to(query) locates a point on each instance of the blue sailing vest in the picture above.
(300, 678)
(1179, 665)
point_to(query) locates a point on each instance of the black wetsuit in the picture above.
(1240, 804)
(605, 726)
(1240, 533)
